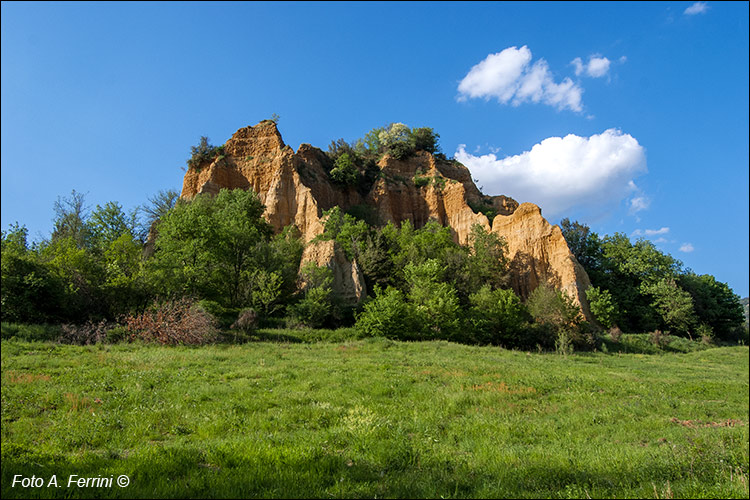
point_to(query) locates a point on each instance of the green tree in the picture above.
(601, 305)
(207, 247)
(435, 302)
(71, 215)
(108, 223)
(388, 315)
(345, 171)
(316, 305)
(203, 152)
(425, 139)
(674, 304)
(497, 316)
(715, 304)
(396, 140)
(158, 206)
(29, 292)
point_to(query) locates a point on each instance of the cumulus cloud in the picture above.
(510, 77)
(561, 173)
(687, 247)
(597, 67)
(696, 8)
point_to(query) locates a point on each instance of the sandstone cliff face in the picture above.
(538, 253)
(348, 280)
(296, 188)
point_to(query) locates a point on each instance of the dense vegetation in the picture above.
(214, 261)
(640, 288)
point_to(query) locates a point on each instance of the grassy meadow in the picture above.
(373, 418)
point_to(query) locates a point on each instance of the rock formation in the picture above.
(348, 280)
(538, 254)
(296, 188)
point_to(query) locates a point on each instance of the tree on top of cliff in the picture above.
(203, 152)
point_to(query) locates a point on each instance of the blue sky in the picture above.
(630, 117)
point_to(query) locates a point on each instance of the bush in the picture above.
(387, 315)
(601, 305)
(658, 338)
(553, 307)
(247, 321)
(203, 152)
(88, 333)
(223, 316)
(421, 181)
(30, 333)
(615, 334)
(314, 309)
(706, 333)
(497, 316)
(345, 171)
(425, 139)
(173, 323)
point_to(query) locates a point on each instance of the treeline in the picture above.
(638, 288)
(217, 262)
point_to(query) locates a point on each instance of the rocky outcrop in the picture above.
(296, 188)
(538, 253)
(348, 280)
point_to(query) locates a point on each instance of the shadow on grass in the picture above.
(395, 470)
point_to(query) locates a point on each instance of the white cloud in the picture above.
(561, 173)
(659, 240)
(650, 232)
(597, 67)
(509, 77)
(687, 247)
(696, 8)
(579, 65)
(639, 203)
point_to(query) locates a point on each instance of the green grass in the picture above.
(373, 418)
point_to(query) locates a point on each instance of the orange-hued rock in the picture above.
(421, 189)
(348, 280)
(538, 253)
(296, 188)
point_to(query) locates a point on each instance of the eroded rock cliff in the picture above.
(296, 188)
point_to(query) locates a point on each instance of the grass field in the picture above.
(373, 418)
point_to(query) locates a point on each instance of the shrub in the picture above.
(497, 316)
(344, 170)
(314, 309)
(30, 333)
(421, 181)
(117, 334)
(563, 342)
(247, 321)
(658, 338)
(203, 152)
(601, 305)
(173, 322)
(706, 333)
(425, 139)
(554, 307)
(88, 333)
(615, 334)
(387, 315)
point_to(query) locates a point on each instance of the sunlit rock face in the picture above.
(295, 188)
